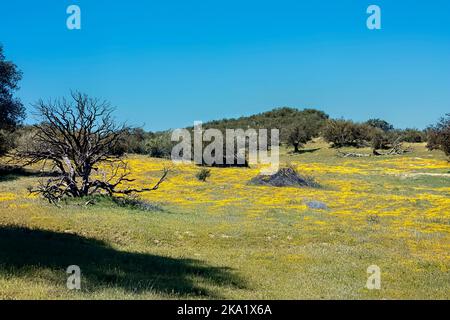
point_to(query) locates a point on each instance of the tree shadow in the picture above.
(24, 250)
(11, 173)
(302, 151)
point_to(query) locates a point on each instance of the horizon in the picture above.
(189, 125)
(165, 65)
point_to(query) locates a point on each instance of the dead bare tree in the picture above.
(79, 138)
(352, 154)
(395, 149)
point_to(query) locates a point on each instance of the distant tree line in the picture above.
(375, 133)
(297, 127)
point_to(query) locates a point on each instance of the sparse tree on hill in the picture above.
(299, 135)
(380, 124)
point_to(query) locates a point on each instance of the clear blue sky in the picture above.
(165, 64)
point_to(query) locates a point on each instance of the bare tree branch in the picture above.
(77, 137)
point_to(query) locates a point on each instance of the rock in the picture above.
(316, 205)
(285, 177)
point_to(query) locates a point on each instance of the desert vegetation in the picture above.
(79, 187)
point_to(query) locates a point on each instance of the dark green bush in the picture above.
(8, 140)
(380, 124)
(300, 134)
(413, 135)
(160, 145)
(346, 133)
(439, 135)
(203, 174)
(132, 140)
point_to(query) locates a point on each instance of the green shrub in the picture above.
(346, 133)
(7, 141)
(439, 135)
(373, 219)
(380, 139)
(203, 174)
(160, 145)
(299, 134)
(413, 135)
(132, 140)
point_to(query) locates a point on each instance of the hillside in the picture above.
(279, 118)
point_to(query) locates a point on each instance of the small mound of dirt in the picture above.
(285, 177)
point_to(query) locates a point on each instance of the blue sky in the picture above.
(164, 64)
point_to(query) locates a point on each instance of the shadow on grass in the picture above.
(106, 201)
(24, 251)
(11, 173)
(302, 151)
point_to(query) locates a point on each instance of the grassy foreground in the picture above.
(226, 239)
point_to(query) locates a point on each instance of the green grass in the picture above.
(170, 252)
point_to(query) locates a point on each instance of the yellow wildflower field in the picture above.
(393, 212)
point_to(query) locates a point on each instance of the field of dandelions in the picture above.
(226, 239)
